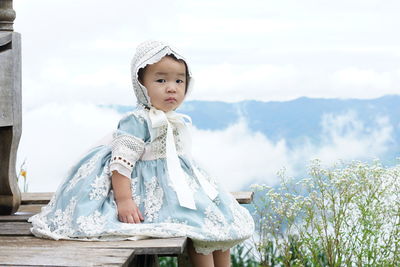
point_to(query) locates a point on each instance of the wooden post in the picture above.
(10, 108)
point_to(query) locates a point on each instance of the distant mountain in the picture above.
(294, 120)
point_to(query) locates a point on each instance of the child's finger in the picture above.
(130, 219)
(122, 219)
(136, 217)
(140, 216)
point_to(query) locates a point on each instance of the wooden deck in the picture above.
(18, 247)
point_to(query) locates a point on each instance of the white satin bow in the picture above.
(159, 118)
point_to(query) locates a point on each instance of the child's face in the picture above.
(166, 83)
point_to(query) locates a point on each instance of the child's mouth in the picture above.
(171, 99)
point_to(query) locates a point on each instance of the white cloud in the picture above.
(347, 138)
(79, 51)
(367, 82)
(234, 82)
(238, 156)
(56, 135)
(296, 48)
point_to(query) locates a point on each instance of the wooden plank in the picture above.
(160, 246)
(32, 208)
(35, 198)
(68, 256)
(243, 197)
(15, 228)
(17, 217)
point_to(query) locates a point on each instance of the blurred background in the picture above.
(278, 83)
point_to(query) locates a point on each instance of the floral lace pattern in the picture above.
(159, 145)
(86, 210)
(125, 151)
(101, 185)
(192, 183)
(174, 220)
(62, 219)
(243, 223)
(154, 199)
(178, 141)
(136, 197)
(215, 223)
(84, 171)
(217, 201)
(92, 224)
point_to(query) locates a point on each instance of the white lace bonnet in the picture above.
(147, 53)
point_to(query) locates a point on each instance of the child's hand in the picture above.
(128, 212)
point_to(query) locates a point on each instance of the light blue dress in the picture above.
(84, 207)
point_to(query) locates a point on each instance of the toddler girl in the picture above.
(143, 182)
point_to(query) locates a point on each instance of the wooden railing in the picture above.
(10, 108)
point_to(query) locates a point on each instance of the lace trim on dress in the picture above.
(84, 171)
(92, 224)
(154, 199)
(101, 185)
(135, 196)
(159, 145)
(207, 247)
(125, 151)
(62, 219)
(243, 223)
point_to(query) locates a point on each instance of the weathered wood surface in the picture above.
(10, 108)
(160, 246)
(36, 198)
(243, 197)
(17, 217)
(66, 256)
(33, 208)
(15, 228)
(19, 247)
(7, 15)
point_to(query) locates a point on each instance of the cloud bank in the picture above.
(55, 135)
(266, 50)
(239, 156)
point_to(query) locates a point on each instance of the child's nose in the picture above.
(171, 87)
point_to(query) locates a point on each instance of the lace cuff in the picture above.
(125, 151)
(115, 166)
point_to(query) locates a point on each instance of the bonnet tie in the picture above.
(184, 193)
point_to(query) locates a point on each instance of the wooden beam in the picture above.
(36, 198)
(160, 246)
(243, 197)
(67, 256)
(15, 229)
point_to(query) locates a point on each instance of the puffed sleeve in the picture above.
(128, 144)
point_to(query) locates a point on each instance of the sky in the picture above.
(258, 49)
(76, 56)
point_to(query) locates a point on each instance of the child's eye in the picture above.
(179, 81)
(161, 81)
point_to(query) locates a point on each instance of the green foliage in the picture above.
(241, 256)
(344, 216)
(168, 261)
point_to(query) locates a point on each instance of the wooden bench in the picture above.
(19, 247)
